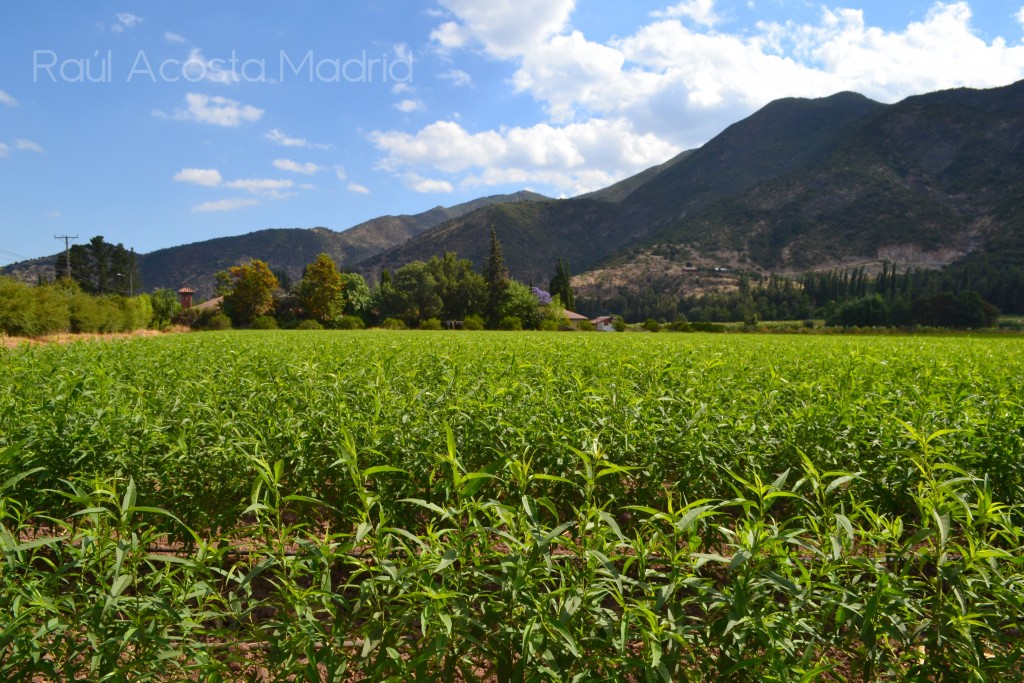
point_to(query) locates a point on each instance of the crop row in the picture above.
(521, 507)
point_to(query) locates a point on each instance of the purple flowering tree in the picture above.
(543, 298)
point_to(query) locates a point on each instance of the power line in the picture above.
(67, 250)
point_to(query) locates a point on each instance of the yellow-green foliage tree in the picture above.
(252, 291)
(322, 290)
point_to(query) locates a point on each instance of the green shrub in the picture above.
(216, 321)
(707, 327)
(431, 324)
(510, 323)
(263, 322)
(392, 324)
(549, 325)
(652, 325)
(585, 326)
(29, 311)
(309, 324)
(349, 322)
(473, 323)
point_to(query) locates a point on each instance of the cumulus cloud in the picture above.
(308, 168)
(358, 189)
(4, 150)
(623, 104)
(6, 98)
(260, 188)
(414, 181)
(279, 138)
(217, 111)
(700, 11)
(225, 205)
(505, 28)
(28, 146)
(174, 38)
(198, 68)
(408, 106)
(207, 177)
(555, 155)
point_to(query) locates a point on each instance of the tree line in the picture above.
(422, 294)
(959, 297)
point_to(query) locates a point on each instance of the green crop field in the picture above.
(512, 507)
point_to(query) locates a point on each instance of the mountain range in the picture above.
(802, 184)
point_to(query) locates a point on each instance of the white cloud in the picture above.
(674, 83)
(700, 11)
(264, 187)
(125, 20)
(128, 20)
(340, 172)
(418, 183)
(7, 99)
(408, 106)
(308, 168)
(279, 138)
(20, 144)
(358, 189)
(28, 145)
(218, 111)
(174, 38)
(457, 77)
(544, 153)
(52, 214)
(1020, 16)
(198, 68)
(224, 205)
(505, 28)
(208, 177)
(450, 35)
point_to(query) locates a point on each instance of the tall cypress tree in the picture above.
(561, 284)
(496, 276)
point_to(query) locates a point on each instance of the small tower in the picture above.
(185, 297)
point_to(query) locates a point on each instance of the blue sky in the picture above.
(157, 124)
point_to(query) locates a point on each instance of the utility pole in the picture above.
(67, 251)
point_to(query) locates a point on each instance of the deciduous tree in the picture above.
(322, 290)
(252, 291)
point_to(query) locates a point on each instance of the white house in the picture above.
(604, 323)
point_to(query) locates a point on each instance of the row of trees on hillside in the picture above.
(419, 293)
(846, 298)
